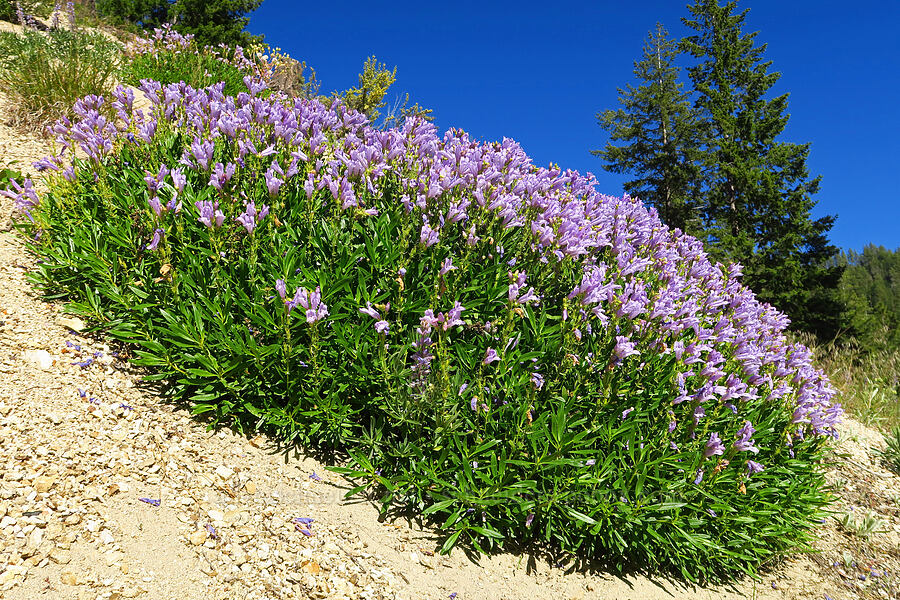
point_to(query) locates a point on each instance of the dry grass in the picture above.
(868, 382)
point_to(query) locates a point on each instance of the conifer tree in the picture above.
(757, 193)
(658, 131)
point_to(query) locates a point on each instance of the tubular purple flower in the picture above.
(490, 356)
(178, 179)
(624, 348)
(382, 327)
(221, 175)
(249, 218)
(454, 316)
(281, 288)
(537, 380)
(428, 236)
(210, 215)
(714, 446)
(157, 237)
(627, 412)
(754, 467)
(447, 266)
(273, 183)
(743, 442)
(155, 206)
(316, 310)
(369, 310)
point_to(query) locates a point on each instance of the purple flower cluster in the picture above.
(311, 302)
(167, 40)
(250, 218)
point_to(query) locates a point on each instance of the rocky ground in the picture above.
(108, 493)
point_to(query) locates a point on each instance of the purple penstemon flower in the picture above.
(428, 236)
(281, 288)
(157, 237)
(221, 175)
(316, 310)
(714, 446)
(210, 215)
(627, 412)
(537, 380)
(490, 356)
(754, 467)
(453, 317)
(381, 326)
(447, 266)
(179, 180)
(250, 217)
(273, 183)
(624, 348)
(370, 310)
(744, 443)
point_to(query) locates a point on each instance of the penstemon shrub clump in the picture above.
(496, 345)
(171, 57)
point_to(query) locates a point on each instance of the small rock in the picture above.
(12, 572)
(40, 358)
(224, 472)
(60, 556)
(106, 537)
(250, 487)
(216, 515)
(198, 537)
(68, 578)
(43, 484)
(73, 323)
(35, 538)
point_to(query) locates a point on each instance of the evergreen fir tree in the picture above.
(757, 193)
(215, 22)
(659, 130)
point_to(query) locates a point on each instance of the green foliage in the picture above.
(891, 454)
(146, 14)
(870, 290)
(44, 74)
(196, 68)
(757, 195)
(7, 174)
(31, 7)
(214, 22)
(660, 135)
(862, 525)
(374, 82)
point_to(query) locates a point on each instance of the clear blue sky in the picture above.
(538, 72)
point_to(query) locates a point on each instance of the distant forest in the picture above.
(870, 292)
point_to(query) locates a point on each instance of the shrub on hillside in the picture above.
(170, 57)
(497, 345)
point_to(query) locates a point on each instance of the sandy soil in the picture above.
(83, 448)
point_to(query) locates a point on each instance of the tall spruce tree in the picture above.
(659, 132)
(757, 193)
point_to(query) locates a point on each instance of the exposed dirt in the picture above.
(78, 466)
